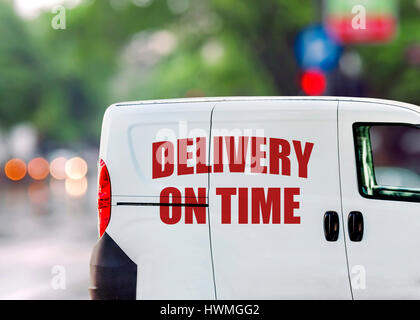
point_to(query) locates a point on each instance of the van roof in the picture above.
(270, 98)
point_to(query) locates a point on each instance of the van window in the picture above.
(388, 161)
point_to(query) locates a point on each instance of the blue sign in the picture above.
(315, 49)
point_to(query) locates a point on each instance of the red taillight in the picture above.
(104, 197)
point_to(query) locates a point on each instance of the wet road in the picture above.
(46, 237)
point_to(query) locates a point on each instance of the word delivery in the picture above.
(236, 153)
(231, 155)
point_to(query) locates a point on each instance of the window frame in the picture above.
(411, 194)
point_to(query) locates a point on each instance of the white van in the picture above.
(259, 198)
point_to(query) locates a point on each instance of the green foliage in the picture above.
(20, 71)
(387, 71)
(62, 80)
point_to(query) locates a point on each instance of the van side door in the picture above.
(270, 218)
(380, 180)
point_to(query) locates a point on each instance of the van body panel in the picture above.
(281, 261)
(386, 263)
(173, 261)
(258, 261)
(126, 146)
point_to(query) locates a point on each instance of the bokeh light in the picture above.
(313, 83)
(57, 168)
(15, 169)
(76, 168)
(38, 168)
(76, 188)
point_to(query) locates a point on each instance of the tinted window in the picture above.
(388, 159)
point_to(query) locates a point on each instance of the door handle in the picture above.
(331, 226)
(356, 226)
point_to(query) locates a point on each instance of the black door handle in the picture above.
(356, 226)
(331, 226)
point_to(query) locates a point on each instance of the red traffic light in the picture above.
(313, 82)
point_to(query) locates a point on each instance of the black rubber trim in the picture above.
(153, 204)
(113, 275)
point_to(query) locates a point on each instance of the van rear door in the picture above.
(173, 260)
(271, 218)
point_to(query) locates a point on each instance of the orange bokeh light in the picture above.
(57, 168)
(38, 168)
(15, 169)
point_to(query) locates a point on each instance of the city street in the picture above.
(43, 231)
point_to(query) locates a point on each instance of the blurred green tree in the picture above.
(387, 71)
(112, 50)
(20, 69)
